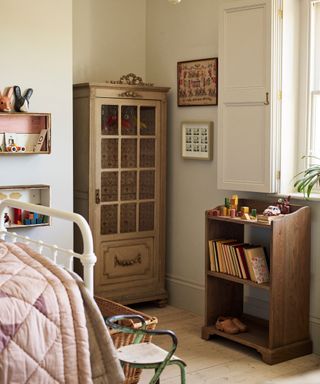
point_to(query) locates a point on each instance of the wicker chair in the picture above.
(111, 308)
(146, 355)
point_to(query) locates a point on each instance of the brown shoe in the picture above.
(226, 325)
(242, 327)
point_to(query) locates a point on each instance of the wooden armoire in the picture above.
(120, 184)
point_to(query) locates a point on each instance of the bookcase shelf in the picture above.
(236, 279)
(285, 334)
(26, 133)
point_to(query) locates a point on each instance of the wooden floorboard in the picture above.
(219, 361)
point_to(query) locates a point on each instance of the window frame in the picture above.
(306, 133)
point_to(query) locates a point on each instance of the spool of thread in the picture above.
(223, 211)
(17, 214)
(244, 210)
(214, 212)
(234, 202)
(232, 213)
(227, 202)
(253, 212)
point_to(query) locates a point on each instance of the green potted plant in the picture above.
(309, 178)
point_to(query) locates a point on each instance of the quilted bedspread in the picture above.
(45, 333)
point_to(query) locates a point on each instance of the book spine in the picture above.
(249, 263)
(211, 256)
(240, 251)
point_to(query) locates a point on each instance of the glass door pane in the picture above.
(129, 120)
(109, 219)
(109, 119)
(109, 153)
(128, 153)
(128, 218)
(146, 185)
(147, 120)
(147, 153)
(146, 216)
(109, 186)
(128, 185)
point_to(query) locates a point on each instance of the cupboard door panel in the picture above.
(244, 137)
(127, 260)
(248, 105)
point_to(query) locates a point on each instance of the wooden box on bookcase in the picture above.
(285, 334)
(119, 186)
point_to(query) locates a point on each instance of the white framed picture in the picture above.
(196, 137)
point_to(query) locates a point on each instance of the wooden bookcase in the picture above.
(27, 131)
(285, 334)
(35, 194)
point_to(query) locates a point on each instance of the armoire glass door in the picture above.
(128, 175)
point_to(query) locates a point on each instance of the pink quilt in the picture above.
(44, 335)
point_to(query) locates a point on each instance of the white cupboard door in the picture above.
(246, 131)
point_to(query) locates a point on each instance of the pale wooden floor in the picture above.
(220, 361)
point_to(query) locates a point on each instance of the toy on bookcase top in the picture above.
(21, 103)
(272, 210)
(6, 100)
(284, 204)
(230, 209)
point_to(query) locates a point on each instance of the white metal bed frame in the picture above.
(87, 258)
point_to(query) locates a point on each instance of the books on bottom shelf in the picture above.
(242, 260)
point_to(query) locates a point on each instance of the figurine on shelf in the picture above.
(284, 204)
(6, 100)
(21, 103)
(7, 220)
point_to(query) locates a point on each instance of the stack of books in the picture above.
(242, 260)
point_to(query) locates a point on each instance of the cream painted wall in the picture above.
(173, 33)
(184, 32)
(176, 33)
(109, 39)
(36, 52)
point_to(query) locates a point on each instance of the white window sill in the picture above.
(301, 196)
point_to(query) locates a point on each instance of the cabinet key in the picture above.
(98, 196)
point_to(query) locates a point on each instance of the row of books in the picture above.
(245, 261)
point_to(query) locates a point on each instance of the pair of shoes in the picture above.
(231, 325)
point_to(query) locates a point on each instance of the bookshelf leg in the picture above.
(205, 334)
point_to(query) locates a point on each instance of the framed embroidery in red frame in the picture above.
(197, 82)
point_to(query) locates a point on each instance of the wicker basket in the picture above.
(111, 308)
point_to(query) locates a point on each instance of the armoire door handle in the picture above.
(267, 99)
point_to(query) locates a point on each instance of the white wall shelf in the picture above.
(36, 194)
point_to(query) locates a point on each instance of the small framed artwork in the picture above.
(197, 140)
(197, 82)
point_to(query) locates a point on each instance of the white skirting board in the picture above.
(185, 294)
